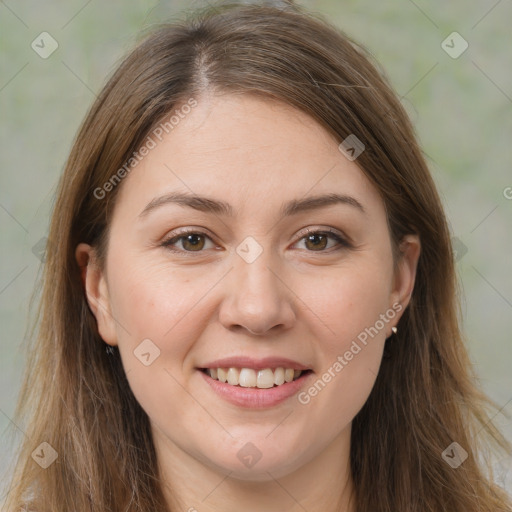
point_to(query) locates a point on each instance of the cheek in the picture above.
(159, 304)
(355, 314)
(159, 319)
(345, 303)
(153, 297)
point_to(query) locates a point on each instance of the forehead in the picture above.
(249, 151)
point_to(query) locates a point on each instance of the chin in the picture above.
(263, 469)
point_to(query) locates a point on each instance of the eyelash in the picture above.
(183, 234)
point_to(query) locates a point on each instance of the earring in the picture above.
(394, 330)
(108, 349)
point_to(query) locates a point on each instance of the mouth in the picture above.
(264, 378)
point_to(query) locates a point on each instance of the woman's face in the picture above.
(278, 273)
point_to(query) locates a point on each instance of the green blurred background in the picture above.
(461, 107)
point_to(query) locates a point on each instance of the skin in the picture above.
(292, 301)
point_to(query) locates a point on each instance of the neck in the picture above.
(324, 483)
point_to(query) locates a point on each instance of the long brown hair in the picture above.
(78, 400)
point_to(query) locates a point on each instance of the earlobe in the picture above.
(96, 291)
(405, 277)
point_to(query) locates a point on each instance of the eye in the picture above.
(195, 241)
(317, 241)
(191, 241)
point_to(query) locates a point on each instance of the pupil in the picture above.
(317, 237)
(194, 240)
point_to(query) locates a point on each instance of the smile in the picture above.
(246, 387)
(249, 378)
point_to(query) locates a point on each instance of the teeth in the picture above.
(279, 376)
(265, 378)
(249, 378)
(221, 374)
(246, 377)
(233, 376)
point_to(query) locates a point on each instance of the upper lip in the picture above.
(255, 364)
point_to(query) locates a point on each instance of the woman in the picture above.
(249, 297)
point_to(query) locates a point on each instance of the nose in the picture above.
(257, 298)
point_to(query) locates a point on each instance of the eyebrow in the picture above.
(209, 205)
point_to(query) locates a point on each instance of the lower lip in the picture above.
(256, 397)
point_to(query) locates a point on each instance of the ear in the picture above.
(96, 290)
(405, 273)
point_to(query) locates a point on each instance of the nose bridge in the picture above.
(257, 276)
(257, 300)
(253, 274)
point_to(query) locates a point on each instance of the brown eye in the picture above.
(191, 241)
(319, 241)
(194, 242)
(316, 242)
